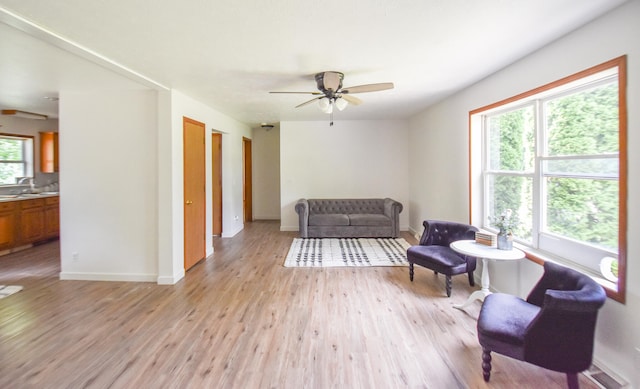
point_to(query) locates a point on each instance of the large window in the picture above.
(16, 158)
(556, 157)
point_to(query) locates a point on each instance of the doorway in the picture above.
(194, 192)
(216, 182)
(247, 188)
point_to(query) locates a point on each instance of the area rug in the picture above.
(347, 252)
(8, 290)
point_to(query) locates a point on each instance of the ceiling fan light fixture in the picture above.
(341, 103)
(325, 105)
(331, 92)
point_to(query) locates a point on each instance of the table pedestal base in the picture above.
(477, 295)
(482, 293)
(471, 248)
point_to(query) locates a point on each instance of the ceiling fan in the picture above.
(332, 93)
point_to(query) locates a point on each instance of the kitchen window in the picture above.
(556, 157)
(16, 158)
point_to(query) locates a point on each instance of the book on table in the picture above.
(486, 238)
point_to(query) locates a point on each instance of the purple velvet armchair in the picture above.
(434, 252)
(554, 328)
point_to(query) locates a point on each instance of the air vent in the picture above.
(603, 379)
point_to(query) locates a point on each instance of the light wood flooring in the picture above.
(242, 320)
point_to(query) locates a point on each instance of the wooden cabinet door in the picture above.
(48, 152)
(7, 225)
(31, 221)
(52, 217)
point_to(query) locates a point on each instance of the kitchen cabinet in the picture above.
(52, 217)
(27, 221)
(7, 225)
(31, 220)
(49, 152)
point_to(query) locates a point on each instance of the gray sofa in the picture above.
(348, 218)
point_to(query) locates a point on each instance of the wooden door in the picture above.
(247, 189)
(194, 192)
(216, 180)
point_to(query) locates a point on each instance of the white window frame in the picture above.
(27, 161)
(544, 245)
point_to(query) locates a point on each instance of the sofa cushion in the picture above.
(369, 219)
(329, 219)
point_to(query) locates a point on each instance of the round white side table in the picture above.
(486, 253)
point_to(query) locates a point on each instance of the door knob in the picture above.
(189, 202)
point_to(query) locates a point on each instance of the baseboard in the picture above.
(170, 280)
(231, 234)
(78, 276)
(415, 233)
(258, 217)
(297, 228)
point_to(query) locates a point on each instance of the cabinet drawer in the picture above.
(52, 200)
(7, 206)
(29, 204)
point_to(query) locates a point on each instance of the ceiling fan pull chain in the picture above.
(331, 117)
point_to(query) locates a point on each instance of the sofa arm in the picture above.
(302, 207)
(392, 209)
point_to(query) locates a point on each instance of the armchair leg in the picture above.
(572, 381)
(447, 284)
(486, 364)
(411, 271)
(472, 282)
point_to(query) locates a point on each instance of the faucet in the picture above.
(23, 179)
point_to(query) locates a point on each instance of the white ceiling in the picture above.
(230, 54)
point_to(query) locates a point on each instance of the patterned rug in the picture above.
(8, 290)
(347, 252)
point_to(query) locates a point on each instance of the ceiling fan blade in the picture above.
(301, 93)
(351, 99)
(309, 102)
(368, 88)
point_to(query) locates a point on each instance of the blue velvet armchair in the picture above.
(433, 251)
(554, 328)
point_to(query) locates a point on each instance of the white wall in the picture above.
(171, 179)
(266, 173)
(351, 159)
(108, 188)
(122, 186)
(438, 137)
(438, 182)
(232, 133)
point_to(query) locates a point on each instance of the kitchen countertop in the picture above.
(27, 196)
